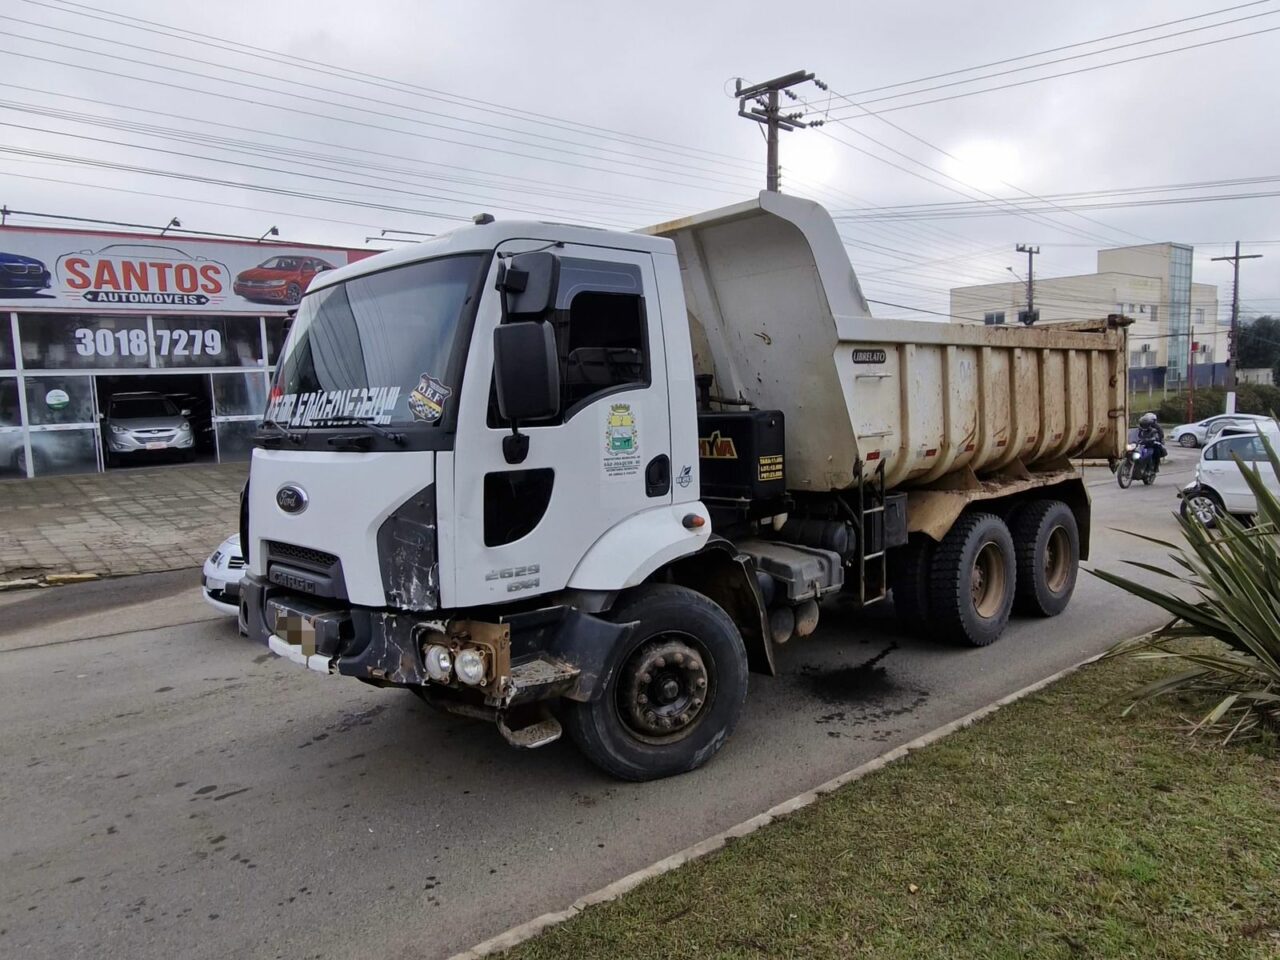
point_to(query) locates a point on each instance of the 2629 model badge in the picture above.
(291, 498)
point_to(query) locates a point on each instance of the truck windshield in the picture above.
(376, 348)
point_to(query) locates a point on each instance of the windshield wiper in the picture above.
(280, 433)
(379, 429)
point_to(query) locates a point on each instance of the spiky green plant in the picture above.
(1233, 571)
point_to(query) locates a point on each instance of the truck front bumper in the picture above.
(537, 655)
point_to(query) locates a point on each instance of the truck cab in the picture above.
(411, 496)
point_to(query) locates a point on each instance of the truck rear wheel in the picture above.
(1047, 542)
(972, 580)
(909, 579)
(674, 692)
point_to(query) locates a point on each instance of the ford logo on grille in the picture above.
(291, 498)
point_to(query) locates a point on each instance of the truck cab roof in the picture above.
(486, 237)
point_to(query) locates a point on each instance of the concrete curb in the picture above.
(526, 931)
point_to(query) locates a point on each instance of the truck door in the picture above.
(519, 529)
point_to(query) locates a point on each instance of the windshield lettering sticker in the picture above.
(427, 399)
(376, 404)
(621, 442)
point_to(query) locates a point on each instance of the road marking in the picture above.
(531, 928)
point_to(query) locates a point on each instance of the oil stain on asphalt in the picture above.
(866, 692)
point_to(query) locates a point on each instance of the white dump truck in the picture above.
(567, 478)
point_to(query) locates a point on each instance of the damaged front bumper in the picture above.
(531, 657)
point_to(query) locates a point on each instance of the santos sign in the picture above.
(58, 270)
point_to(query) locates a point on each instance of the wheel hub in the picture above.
(1204, 509)
(987, 581)
(663, 689)
(1057, 560)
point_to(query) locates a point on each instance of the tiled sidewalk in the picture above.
(139, 520)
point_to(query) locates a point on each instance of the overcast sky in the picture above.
(635, 123)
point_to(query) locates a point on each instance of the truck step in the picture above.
(537, 734)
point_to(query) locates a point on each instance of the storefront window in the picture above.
(52, 400)
(76, 341)
(10, 412)
(235, 439)
(239, 394)
(275, 338)
(64, 451)
(207, 342)
(6, 343)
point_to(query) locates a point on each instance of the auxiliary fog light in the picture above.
(439, 663)
(471, 666)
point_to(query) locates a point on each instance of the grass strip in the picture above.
(1054, 828)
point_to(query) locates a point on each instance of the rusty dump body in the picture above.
(969, 411)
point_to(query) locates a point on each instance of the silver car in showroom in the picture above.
(146, 424)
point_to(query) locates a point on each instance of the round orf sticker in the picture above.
(56, 399)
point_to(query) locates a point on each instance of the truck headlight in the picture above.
(471, 667)
(439, 663)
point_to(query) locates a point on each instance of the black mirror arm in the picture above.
(515, 448)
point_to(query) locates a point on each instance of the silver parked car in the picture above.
(144, 424)
(1202, 431)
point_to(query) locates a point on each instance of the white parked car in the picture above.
(220, 578)
(1202, 431)
(1219, 486)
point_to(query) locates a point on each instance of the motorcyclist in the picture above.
(1149, 432)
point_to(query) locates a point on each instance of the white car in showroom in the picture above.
(1219, 487)
(1202, 431)
(220, 578)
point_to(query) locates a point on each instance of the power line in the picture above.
(517, 182)
(295, 157)
(238, 163)
(1078, 56)
(668, 179)
(963, 214)
(294, 62)
(1069, 73)
(331, 90)
(1069, 46)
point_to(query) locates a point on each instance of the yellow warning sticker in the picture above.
(771, 467)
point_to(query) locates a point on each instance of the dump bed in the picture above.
(777, 316)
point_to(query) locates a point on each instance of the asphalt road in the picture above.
(172, 791)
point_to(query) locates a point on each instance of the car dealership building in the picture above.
(88, 316)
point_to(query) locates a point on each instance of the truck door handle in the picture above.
(657, 476)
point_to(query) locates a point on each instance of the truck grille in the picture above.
(301, 555)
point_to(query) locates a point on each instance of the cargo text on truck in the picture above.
(573, 479)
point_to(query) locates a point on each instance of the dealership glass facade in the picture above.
(1179, 311)
(58, 370)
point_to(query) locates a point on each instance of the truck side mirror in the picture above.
(526, 371)
(528, 284)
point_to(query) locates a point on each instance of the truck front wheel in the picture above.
(675, 689)
(972, 579)
(1048, 544)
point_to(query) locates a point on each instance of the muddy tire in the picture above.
(972, 580)
(909, 580)
(674, 692)
(1046, 542)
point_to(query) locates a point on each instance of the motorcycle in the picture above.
(1141, 462)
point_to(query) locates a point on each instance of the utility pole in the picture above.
(1029, 317)
(768, 113)
(1235, 310)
